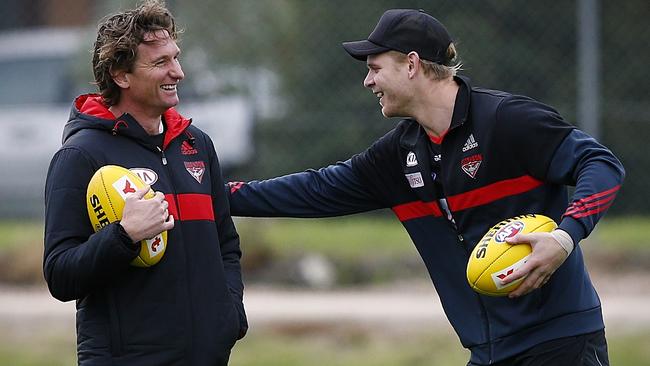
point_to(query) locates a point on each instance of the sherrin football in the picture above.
(105, 199)
(492, 260)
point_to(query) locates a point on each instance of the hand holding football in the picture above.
(105, 198)
(493, 259)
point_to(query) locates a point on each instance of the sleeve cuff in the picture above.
(574, 228)
(126, 239)
(564, 239)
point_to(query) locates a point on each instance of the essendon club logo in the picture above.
(196, 169)
(509, 231)
(188, 149)
(471, 164)
(235, 186)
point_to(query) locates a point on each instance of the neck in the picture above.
(435, 106)
(150, 122)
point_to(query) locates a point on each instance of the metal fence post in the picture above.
(588, 71)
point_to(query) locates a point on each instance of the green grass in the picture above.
(375, 347)
(632, 233)
(632, 348)
(348, 237)
(38, 350)
(361, 235)
(331, 346)
(15, 233)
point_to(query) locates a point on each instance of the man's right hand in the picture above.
(144, 218)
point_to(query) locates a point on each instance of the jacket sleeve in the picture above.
(597, 175)
(331, 191)
(554, 151)
(76, 261)
(228, 239)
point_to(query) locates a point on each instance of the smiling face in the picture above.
(388, 79)
(150, 87)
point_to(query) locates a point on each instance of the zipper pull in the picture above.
(460, 238)
(162, 153)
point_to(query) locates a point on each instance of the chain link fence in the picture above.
(301, 96)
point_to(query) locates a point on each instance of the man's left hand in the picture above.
(547, 256)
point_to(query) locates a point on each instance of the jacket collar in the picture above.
(92, 108)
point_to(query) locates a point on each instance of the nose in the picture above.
(369, 81)
(177, 71)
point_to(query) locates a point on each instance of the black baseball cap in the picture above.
(404, 30)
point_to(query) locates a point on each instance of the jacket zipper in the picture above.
(444, 206)
(170, 173)
(162, 154)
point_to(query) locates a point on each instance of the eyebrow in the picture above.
(164, 57)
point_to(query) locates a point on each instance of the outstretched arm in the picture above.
(332, 191)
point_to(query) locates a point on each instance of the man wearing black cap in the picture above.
(463, 159)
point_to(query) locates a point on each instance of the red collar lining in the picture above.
(438, 139)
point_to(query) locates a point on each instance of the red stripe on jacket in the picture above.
(413, 210)
(593, 204)
(476, 197)
(492, 192)
(190, 206)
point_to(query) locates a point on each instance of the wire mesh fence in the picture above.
(301, 96)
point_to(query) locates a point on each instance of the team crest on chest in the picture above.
(471, 164)
(196, 169)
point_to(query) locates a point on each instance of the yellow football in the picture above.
(493, 260)
(105, 202)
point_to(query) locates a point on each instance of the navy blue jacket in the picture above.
(503, 156)
(185, 310)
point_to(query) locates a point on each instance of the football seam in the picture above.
(489, 265)
(108, 197)
(544, 223)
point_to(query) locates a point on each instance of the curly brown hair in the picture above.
(118, 37)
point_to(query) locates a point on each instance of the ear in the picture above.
(413, 60)
(121, 78)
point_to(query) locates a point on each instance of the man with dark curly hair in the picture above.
(187, 309)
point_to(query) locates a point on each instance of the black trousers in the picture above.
(582, 350)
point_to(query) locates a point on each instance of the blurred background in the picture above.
(270, 83)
